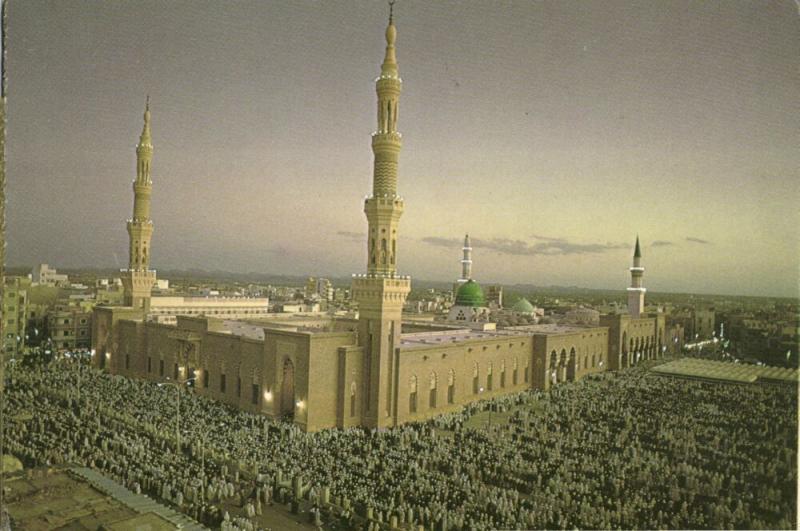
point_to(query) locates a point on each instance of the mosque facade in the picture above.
(374, 371)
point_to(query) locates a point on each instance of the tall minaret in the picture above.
(636, 291)
(381, 293)
(138, 279)
(466, 262)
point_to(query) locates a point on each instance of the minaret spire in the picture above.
(636, 291)
(138, 279)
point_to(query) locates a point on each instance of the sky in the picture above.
(552, 132)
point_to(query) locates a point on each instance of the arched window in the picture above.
(502, 373)
(451, 386)
(514, 374)
(432, 397)
(475, 381)
(412, 397)
(489, 377)
(527, 370)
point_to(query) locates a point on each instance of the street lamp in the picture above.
(480, 391)
(177, 385)
(203, 439)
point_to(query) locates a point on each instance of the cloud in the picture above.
(352, 235)
(550, 246)
(661, 243)
(445, 242)
(548, 238)
(697, 240)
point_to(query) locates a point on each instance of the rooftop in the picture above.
(549, 329)
(448, 337)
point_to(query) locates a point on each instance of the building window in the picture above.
(127, 361)
(149, 364)
(475, 383)
(489, 378)
(205, 378)
(254, 398)
(451, 386)
(514, 376)
(502, 373)
(526, 373)
(83, 321)
(161, 367)
(221, 383)
(412, 396)
(239, 386)
(66, 321)
(353, 399)
(175, 372)
(432, 396)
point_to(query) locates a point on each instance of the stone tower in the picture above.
(636, 291)
(466, 262)
(138, 279)
(381, 293)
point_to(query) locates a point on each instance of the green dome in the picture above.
(470, 294)
(523, 306)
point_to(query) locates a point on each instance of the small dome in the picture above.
(523, 306)
(470, 294)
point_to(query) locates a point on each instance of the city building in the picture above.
(69, 327)
(15, 312)
(43, 274)
(377, 370)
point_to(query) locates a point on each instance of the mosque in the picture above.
(374, 371)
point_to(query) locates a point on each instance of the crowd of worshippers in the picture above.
(629, 449)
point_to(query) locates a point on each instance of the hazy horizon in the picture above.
(552, 132)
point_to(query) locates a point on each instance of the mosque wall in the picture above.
(446, 377)
(569, 356)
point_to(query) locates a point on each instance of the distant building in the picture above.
(320, 288)
(701, 325)
(69, 327)
(43, 274)
(494, 296)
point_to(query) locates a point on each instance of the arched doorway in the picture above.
(287, 390)
(562, 366)
(623, 351)
(571, 365)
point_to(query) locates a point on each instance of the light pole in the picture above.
(177, 385)
(480, 391)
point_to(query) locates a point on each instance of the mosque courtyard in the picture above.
(627, 449)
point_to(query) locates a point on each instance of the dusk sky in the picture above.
(551, 132)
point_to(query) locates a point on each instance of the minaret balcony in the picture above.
(389, 138)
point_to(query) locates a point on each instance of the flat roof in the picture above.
(550, 329)
(448, 337)
(725, 371)
(242, 328)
